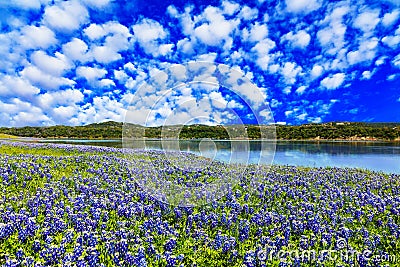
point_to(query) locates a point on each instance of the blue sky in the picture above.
(81, 61)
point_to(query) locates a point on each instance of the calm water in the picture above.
(367, 155)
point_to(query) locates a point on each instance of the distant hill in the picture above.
(113, 130)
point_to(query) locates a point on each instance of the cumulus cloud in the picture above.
(262, 51)
(150, 35)
(91, 74)
(76, 50)
(33, 37)
(216, 30)
(23, 4)
(105, 54)
(366, 75)
(247, 13)
(396, 61)
(94, 31)
(256, 33)
(290, 70)
(22, 113)
(390, 18)
(63, 113)
(332, 36)
(391, 41)
(301, 90)
(55, 66)
(316, 71)
(65, 16)
(96, 3)
(334, 81)
(300, 39)
(305, 6)
(17, 86)
(230, 8)
(102, 108)
(77, 47)
(365, 52)
(64, 98)
(44, 80)
(367, 21)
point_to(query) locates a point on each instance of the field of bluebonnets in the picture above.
(64, 205)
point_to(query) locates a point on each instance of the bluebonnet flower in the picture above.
(170, 244)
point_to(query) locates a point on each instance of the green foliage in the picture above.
(113, 130)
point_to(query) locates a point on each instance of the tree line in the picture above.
(113, 130)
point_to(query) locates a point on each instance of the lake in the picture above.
(378, 156)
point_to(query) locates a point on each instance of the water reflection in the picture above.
(377, 156)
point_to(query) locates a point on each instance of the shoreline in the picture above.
(60, 139)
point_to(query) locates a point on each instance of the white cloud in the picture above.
(33, 37)
(366, 75)
(65, 98)
(24, 4)
(76, 50)
(391, 41)
(288, 113)
(94, 31)
(172, 11)
(381, 60)
(65, 16)
(16, 86)
(216, 30)
(301, 90)
(290, 72)
(90, 74)
(101, 109)
(247, 13)
(287, 90)
(305, 6)
(262, 50)
(150, 35)
(300, 39)
(396, 61)
(391, 77)
(367, 21)
(365, 52)
(54, 66)
(390, 18)
(120, 75)
(332, 36)
(106, 83)
(316, 71)
(185, 46)
(112, 29)
(148, 30)
(334, 81)
(116, 40)
(165, 49)
(96, 3)
(256, 33)
(105, 54)
(275, 103)
(43, 80)
(218, 100)
(230, 8)
(33, 117)
(63, 113)
(22, 113)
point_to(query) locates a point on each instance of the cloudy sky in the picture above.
(81, 61)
